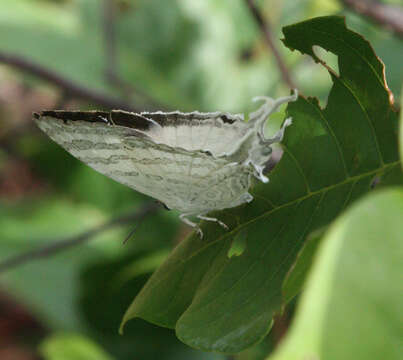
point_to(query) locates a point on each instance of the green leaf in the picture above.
(104, 294)
(352, 305)
(331, 157)
(401, 129)
(295, 279)
(71, 347)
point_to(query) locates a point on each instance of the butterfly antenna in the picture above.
(140, 218)
(131, 233)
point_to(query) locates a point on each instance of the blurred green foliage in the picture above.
(66, 346)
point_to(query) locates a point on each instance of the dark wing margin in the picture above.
(134, 120)
(116, 117)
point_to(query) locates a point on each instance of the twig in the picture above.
(266, 30)
(68, 86)
(62, 101)
(63, 244)
(109, 19)
(111, 51)
(386, 15)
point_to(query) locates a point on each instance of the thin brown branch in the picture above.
(387, 15)
(266, 30)
(111, 51)
(60, 245)
(109, 32)
(69, 87)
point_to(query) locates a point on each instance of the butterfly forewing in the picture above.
(190, 181)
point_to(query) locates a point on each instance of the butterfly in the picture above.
(191, 162)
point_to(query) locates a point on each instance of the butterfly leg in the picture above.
(202, 217)
(192, 224)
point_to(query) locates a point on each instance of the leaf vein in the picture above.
(292, 202)
(286, 150)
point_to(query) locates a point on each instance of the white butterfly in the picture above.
(192, 162)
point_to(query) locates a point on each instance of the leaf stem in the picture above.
(69, 88)
(387, 15)
(267, 32)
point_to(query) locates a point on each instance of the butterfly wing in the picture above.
(218, 133)
(97, 144)
(190, 181)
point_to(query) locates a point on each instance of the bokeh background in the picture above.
(204, 55)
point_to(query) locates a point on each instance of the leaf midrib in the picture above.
(370, 124)
(332, 134)
(301, 198)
